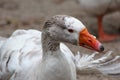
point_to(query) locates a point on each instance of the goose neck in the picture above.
(49, 44)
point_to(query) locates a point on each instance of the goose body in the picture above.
(99, 8)
(28, 54)
(35, 55)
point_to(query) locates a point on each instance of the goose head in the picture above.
(63, 28)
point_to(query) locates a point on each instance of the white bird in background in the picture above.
(35, 55)
(100, 8)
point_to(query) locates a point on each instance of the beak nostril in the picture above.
(101, 48)
(82, 44)
(90, 41)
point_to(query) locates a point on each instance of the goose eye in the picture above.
(70, 30)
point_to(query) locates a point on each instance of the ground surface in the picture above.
(27, 14)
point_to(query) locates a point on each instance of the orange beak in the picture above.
(89, 41)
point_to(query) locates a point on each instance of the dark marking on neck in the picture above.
(48, 43)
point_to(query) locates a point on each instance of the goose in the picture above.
(42, 55)
(100, 8)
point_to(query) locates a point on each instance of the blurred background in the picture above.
(31, 14)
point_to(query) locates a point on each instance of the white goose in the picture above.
(35, 55)
(99, 8)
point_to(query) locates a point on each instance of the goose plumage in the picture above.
(100, 8)
(35, 55)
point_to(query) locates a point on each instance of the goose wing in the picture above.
(105, 64)
(84, 63)
(20, 52)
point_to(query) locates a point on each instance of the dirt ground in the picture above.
(27, 14)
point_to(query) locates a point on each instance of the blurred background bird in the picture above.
(100, 8)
